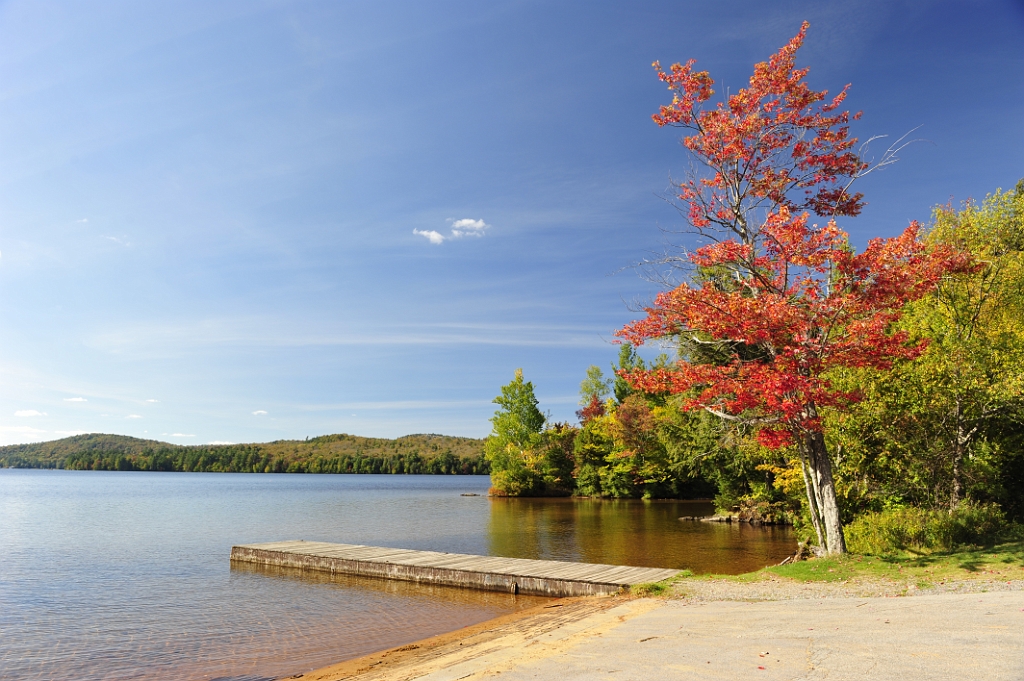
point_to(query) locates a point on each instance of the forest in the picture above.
(412, 454)
(873, 399)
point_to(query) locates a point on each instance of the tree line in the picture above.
(413, 455)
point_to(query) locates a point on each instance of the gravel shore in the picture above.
(779, 589)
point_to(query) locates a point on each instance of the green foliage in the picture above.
(594, 386)
(709, 454)
(910, 528)
(591, 446)
(947, 426)
(623, 452)
(413, 454)
(513, 445)
(628, 361)
(557, 458)
(636, 466)
(518, 421)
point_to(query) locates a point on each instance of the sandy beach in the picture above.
(710, 629)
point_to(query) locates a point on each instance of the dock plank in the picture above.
(493, 573)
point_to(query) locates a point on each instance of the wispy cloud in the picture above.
(75, 399)
(259, 412)
(421, 405)
(82, 221)
(181, 435)
(123, 242)
(29, 412)
(152, 401)
(133, 416)
(170, 339)
(392, 405)
(460, 228)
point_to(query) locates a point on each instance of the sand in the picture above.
(727, 630)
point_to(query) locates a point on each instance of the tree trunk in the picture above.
(954, 496)
(828, 505)
(812, 500)
(821, 492)
(958, 458)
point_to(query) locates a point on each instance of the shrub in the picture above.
(923, 530)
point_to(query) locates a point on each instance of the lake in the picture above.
(109, 575)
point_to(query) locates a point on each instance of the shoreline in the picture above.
(444, 647)
(550, 634)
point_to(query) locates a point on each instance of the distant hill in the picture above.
(438, 454)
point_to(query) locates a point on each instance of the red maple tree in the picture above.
(592, 410)
(775, 301)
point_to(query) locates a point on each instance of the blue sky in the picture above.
(217, 220)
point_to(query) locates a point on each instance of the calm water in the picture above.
(109, 575)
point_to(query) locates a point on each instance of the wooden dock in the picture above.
(490, 573)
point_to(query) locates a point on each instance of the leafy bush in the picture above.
(922, 530)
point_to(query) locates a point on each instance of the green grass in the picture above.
(649, 589)
(658, 588)
(1001, 562)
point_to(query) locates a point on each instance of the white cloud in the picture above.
(12, 435)
(29, 412)
(21, 430)
(115, 240)
(259, 412)
(433, 236)
(220, 442)
(460, 228)
(75, 399)
(468, 227)
(181, 435)
(133, 416)
(152, 401)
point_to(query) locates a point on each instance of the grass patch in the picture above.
(659, 588)
(1001, 562)
(818, 570)
(649, 589)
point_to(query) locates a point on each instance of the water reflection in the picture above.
(632, 532)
